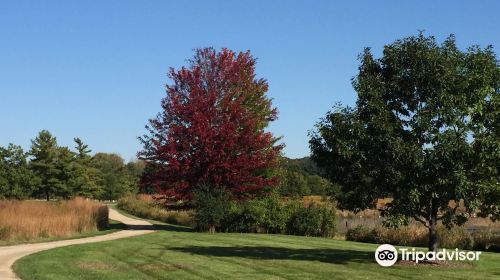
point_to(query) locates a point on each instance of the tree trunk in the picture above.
(47, 195)
(211, 229)
(433, 240)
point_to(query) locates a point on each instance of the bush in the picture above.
(360, 234)
(150, 210)
(456, 237)
(267, 215)
(277, 214)
(405, 236)
(210, 206)
(272, 215)
(313, 220)
(486, 241)
(245, 217)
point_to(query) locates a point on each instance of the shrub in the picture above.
(276, 215)
(486, 241)
(210, 206)
(313, 220)
(411, 235)
(248, 217)
(456, 237)
(360, 234)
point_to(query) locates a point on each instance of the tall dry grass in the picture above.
(145, 206)
(31, 220)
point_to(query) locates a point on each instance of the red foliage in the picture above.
(211, 129)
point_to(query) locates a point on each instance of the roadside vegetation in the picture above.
(28, 221)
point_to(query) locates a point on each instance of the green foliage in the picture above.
(115, 178)
(16, 179)
(210, 206)
(56, 171)
(424, 131)
(44, 164)
(86, 176)
(272, 215)
(294, 184)
(300, 177)
(313, 220)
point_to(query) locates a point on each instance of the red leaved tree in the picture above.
(211, 130)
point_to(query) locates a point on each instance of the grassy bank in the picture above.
(174, 253)
(34, 221)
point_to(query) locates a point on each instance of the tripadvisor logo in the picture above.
(387, 255)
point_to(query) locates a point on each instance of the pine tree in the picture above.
(44, 164)
(85, 181)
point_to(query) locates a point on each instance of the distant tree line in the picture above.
(51, 171)
(300, 177)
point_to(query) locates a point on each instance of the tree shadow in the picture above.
(119, 226)
(325, 255)
(167, 227)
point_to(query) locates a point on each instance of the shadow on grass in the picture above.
(278, 253)
(166, 227)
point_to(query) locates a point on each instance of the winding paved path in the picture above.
(9, 254)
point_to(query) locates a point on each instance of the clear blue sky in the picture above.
(96, 69)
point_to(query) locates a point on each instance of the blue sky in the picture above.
(97, 69)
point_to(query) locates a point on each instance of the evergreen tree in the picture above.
(85, 181)
(44, 164)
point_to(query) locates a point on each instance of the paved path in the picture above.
(9, 254)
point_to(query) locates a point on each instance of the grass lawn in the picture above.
(113, 227)
(174, 253)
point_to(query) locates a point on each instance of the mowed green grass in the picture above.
(173, 253)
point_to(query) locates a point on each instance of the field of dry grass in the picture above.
(31, 220)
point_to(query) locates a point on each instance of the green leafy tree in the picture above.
(424, 131)
(293, 184)
(44, 164)
(114, 180)
(86, 179)
(16, 179)
(318, 185)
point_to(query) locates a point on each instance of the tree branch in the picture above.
(417, 218)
